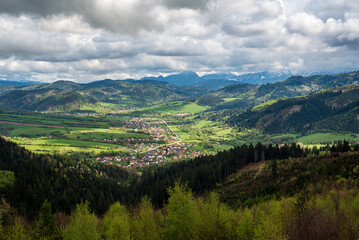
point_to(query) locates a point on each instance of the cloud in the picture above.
(192, 4)
(339, 33)
(94, 39)
(125, 16)
(326, 9)
(305, 24)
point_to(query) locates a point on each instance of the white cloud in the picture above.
(305, 24)
(93, 39)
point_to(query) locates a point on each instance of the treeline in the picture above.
(331, 215)
(203, 173)
(281, 178)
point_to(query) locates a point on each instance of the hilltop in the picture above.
(247, 95)
(331, 110)
(69, 96)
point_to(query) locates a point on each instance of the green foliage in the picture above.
(83, 224)
(116, 223)
(268, 229)
(46, 225)
(181, 213)
(7, 179)
(216, 221)
(246, 224)
(17, 231)
(146, 222)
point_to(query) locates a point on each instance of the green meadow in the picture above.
(327, 137)
(100, 133)
(177, 108)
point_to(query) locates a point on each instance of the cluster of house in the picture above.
(143, 124)
(155, 128)
(162, 146)
(160, 155)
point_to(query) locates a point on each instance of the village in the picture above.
(153, 157)
(163, 145)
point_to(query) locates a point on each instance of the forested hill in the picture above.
(65, 181)
(275, 179)
(62, 180)
(335, 109)
(31, 178)
(69, 96)
(244, 96)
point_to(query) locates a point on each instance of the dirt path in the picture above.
(30, 124)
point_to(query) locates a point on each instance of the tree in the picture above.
(83, 224)
(46, 220)
(145, 224)
(17, 231)
(181, 213)
(116, 223)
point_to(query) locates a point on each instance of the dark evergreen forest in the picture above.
(65, 181)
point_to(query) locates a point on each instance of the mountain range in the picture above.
(125, 94)
(219, 80)
(247, 95)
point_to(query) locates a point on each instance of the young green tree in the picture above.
(181, 213)
(215, 220)
(46, 224)
(145, 223)
(116, 223)
(83, 224)
(269, 229)
(18, 231)
(245, 227)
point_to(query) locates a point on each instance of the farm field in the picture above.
(141, 135)
(326, 137)
(176, 108)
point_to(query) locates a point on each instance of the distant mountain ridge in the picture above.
(130, 93)
(191, 78)
(70, 96)
(16, 83)
(244, 96)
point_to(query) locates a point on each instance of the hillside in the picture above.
(285, 194)
(333, 110)
(239, 96)
(265, 180)
(62, 180)
(69, 96)
(130, 93)
(45, 100)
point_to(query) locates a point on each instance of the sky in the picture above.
(87, 40)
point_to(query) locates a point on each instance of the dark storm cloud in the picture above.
(126, 16)
(40, 7)
(193, 4)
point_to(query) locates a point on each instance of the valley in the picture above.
(138, 145)
(138, 135)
